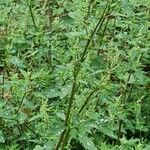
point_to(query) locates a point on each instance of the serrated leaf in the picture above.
(131, 142)
(64, 91)
(87, 142)
(52, 93)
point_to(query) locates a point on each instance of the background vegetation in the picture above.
(75, 75)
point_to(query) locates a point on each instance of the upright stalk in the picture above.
(3, 82)
(49, 13)
(120, 122)
(2, 72)
(64, 136)
(32, 15)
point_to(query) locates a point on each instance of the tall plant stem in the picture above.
(32, 16)
(49, 16)
(91, 94)
(124, 103)
(98, 26)
(3, 82)
(64, 136)
(2, 72)
(49, 13)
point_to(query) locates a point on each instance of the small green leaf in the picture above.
(104, 146)
(61, 115)
(38, 147)
(34, 118)
(131, 142)
(49, 145)
(22, 117)
(87, 142)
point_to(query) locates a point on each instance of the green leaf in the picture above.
(34, 118)
(61, 115)
(65, 90)
(131, 142)
(104, 146)
(2, 103)
(87, 142)
(38, 147)
(49, 145)
(22, 117)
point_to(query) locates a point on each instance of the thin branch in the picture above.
(3, 83)
(119, 131)
(49, 15)
(98, 25)
(32, 16)
(29, 128)
(124, 101)
(91, 94)
(87, 100)
(19, 107)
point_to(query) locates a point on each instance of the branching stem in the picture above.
(64, 136)
(32, 15)
(124, 102)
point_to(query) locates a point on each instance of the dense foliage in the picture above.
(75, 74)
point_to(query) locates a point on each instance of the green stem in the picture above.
(76, 71)
(2, 67)
(23, 97)
(86, 101)
(124, 102)
(98, 26)
(3, 82)
(119, 131)
(91, 94)
(60, 139)
(65, 139)
(32, 16)
(49, 15)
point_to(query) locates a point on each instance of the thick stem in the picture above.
(76, 71)
(65, 140)
(60, 139)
